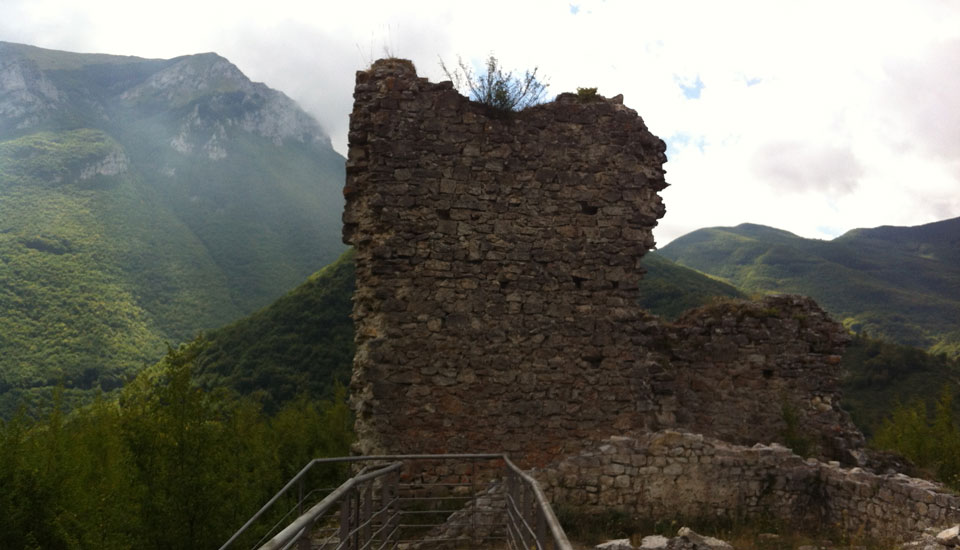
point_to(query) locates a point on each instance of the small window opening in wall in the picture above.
(588, 209)
(504, 284)
(614, 284)
(768, 373)
(578, 281)
(594, 360)
(443, 214)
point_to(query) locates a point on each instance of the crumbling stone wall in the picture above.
(766, 371)
(497, 259)
(498, 256)
(688, 476)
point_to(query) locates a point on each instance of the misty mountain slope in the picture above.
(901, 283)
(143, 200)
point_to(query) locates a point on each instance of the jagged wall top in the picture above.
(601, 144)
(491, 248)
(498, 256)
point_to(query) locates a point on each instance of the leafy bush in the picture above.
(586, 95)
(497, 89)
(932, 442)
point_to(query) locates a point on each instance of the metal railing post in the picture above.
(541, 527)
(345, 516)
(304, 543)
(366, 512)
(300, 497)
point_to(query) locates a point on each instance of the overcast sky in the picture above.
(812, 116)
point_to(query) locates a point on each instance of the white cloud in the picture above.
(815, 116)
(804, 166)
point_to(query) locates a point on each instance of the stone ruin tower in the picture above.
(497, 261)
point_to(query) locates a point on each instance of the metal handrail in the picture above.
(529, 520)
(560, 539)
(295, 529)
(303, 471)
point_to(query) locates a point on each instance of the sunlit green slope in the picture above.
(902, 283)
(142, 201)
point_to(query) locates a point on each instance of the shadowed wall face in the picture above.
(496, 254)
(497, 261)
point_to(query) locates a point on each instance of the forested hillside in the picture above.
(878, 376)
(300, 344)
(143, 200)
(900, 283)
(161, 465)
(669, 289)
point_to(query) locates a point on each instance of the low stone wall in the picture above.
(680, 475)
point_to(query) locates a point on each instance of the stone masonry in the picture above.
(498, 257)
(682, 475)
(497, 261)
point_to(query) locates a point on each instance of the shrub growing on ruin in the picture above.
(498, 89)
(586, 95)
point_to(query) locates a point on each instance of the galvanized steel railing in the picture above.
(456, 501)
(531, 522)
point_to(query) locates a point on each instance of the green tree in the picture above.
(175, 434)
(932, 442)
(169, 465)
(18, 480)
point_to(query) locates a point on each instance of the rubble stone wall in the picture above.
(687, 476)
(765, 371)
(498, 256)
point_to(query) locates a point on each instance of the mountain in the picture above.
(142, 200)
(303, 342)
(668, 289)
(899, 283)
(300, 344)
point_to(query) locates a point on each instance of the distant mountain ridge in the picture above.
(142, 200)
(901, 283)
(42, 88)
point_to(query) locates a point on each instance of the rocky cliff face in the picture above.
(27, 97)
(230, 101)
(210, 96)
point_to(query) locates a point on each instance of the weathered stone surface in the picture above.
(654, 542)
(618, 544)
(691, 539)
(927, 540)
(689, 475)
(497, 261)
(949, 537)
